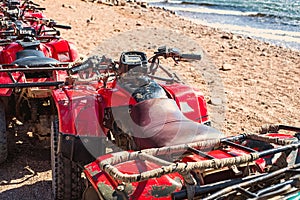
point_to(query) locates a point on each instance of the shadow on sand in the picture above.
(26, 174)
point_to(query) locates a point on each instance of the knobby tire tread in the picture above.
(3, 134)
(66, 174)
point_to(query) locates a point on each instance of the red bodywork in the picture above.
(190, 100)
(59, 49)
(151, 189)
(79, 111)
(70, 102)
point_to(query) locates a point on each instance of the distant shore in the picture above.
(280, 36)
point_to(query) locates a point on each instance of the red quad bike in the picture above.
(92, 109)
(21, 10)
(31, 65)
(152, 140)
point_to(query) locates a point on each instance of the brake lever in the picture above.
(175, 60)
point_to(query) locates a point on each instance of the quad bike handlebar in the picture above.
(93, 62)
(33, 7)
(9, 8)
(51, 23)
(175, 53)
(17, 30)
(62, 26)
(133, 59)
(29, 2)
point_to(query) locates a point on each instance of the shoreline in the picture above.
(274, 37)
(279, 37)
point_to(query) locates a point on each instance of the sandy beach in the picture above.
(246, 82)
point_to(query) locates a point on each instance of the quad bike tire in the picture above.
(66, 174)
(3, 134)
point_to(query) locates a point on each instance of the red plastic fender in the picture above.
(190, 101)
(79, 111)
(156, 188)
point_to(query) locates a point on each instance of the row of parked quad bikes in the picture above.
(155, 128)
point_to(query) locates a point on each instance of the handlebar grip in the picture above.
(39, 8)
(80, 67)
(62, 26)
(191, 56)
(31, 2)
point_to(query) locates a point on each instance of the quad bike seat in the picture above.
(33, 58)
(159, 122)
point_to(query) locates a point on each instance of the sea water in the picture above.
(274, 21)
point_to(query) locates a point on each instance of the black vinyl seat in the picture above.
(33, 58)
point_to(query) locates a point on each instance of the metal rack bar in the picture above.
(34, 69)
(24, 85)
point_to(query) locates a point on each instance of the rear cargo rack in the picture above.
(9, 69)
(220, 188)
(26, 68)
(36, 84)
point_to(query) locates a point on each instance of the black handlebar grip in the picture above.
(62, 26)
(81, 67)
(39, 8)
(191, 56)
(35, 4)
